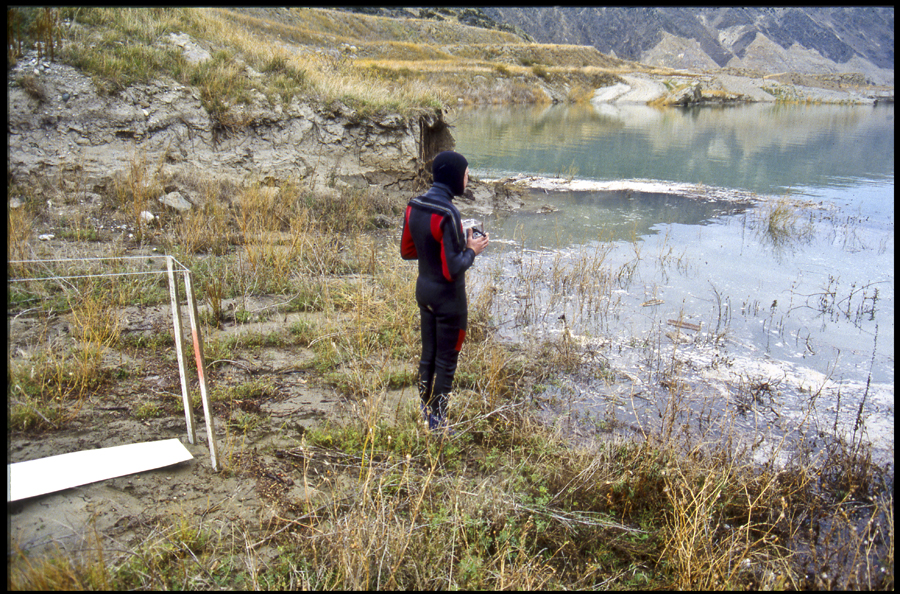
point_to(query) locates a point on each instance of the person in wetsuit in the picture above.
(433, 235)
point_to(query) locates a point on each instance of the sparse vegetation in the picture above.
(509, 502)
(420, 74)
(33, 87)
(362, 500)
(540, 71)
(781, 227)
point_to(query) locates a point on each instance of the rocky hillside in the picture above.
(72, 116)
(334, 99)
(339, 98)
(805, 40)
(63, 123)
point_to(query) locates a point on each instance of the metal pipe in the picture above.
(201, 370)
(179, 350)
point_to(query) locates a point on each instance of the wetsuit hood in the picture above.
(449, 168)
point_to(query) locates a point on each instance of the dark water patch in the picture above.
(558, 219)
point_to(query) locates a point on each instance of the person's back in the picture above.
(433, 235)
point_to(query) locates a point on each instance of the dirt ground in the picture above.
(260, 480)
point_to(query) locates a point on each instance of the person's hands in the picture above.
(476, 244)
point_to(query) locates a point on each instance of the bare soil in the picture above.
(260, 480)
(258, 483)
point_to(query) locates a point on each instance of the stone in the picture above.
(687, 96)
(177, 201)
(382, 221)
(192, 52)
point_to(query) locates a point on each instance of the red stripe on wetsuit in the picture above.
(407, 245)
(460, 340)
(438, 233)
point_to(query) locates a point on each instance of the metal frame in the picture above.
(175, 302)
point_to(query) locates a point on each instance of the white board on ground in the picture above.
(55, 473)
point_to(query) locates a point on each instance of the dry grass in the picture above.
(19, 226)
(317, 26)
(48, 387)
(93, 322)
(59, 572)
(706, 554)
(780, 225)
(136, 190)
(507, 504)
(372, 64)
(329, 78)
(33, 87)
(202, 230)
(510, 501)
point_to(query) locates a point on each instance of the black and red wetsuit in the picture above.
(433, 235)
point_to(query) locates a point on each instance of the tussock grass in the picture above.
(234, 43)
(19, 226)
(311, 248)
(77, 326)
(480, 81)
(33, 87)
(779, 225)
(205, 229)
(135, 189)
(314, 25)
(508, 503)
(59, 572)
(47, 389)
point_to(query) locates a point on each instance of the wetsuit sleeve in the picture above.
(407, 246)
(456, 258)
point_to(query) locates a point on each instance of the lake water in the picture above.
(743, 253)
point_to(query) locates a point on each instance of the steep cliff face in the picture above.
(58, 122)
(811, 40)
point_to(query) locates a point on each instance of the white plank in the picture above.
(55, 473)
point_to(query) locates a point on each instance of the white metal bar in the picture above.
(97, 259)
(179, 350)
(102, 259)
(108, 274)
(64, 471)
(177, 323)
(201, 370)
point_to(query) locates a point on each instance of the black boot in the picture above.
(424, 386)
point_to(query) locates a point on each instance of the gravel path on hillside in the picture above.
(646, 88)
(638, 88)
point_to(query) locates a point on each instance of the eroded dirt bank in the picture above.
(62, 126)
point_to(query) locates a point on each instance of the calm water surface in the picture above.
(649, 217)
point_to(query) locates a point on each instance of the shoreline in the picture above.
(689, 89)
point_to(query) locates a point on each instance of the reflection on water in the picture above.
(768, 149)
(741, 294)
